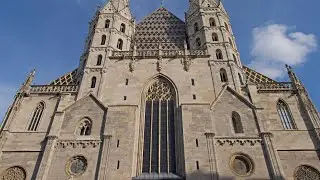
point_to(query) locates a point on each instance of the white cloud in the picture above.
(7, 93)
(274, 46)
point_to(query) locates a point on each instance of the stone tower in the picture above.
(161, 99)
(111, 29)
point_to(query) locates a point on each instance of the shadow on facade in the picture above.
(199, 175)
(312, 133)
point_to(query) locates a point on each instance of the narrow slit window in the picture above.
(197, 143)
(125, 98)
(118, 165)
(103, 39)
(107, 24)
(197, 164)
(93, 82)
(192, 82)
(127, 82)
(196, 27)
(223, 75)
(99, 60)
(237, 123)
(219, 54)
(194, 96)
(118, 143)
(120, 44)
(123, 28)
(212, 22)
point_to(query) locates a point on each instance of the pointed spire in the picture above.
(27, 83)
(292, 75)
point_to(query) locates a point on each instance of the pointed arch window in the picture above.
(212, 22)
(219, 54)
(120, 44)
(231, 43)
(223, 75)
(99, 60)
(215, 37)
(84, 127)
(93, 82)
(240, 79)
(159, 131)
(103, 39)
(107, 23)
(236, 122)
(123, 28)
(36, 117)
(226, 26)
(285, 115)
(198, 42)
(196, 27)
(234, 58)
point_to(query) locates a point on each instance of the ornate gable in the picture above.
(118, 6)
(160, 29)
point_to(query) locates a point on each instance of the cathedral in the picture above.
(162, 98)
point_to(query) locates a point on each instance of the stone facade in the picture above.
(161, 99)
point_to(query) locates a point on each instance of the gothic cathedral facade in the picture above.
(161, 99)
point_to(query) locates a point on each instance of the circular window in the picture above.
(305, 172)
(241, 164)
(14, 173)
(77, 166)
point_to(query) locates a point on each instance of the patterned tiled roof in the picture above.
(67, 79)
(255, 77)
(163, 27)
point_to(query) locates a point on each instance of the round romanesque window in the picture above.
(241, 164)
(76, 166)
(14, 173)
(305, 172)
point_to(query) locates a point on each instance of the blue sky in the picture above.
(49, 35)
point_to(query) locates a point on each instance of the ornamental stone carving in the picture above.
(14, 173)
(305, 172)
(238, 141)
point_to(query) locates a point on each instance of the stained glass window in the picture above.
(159, 131)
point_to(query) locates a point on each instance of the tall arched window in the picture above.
(215, 37)
(120, 44)
(234, 58)
(196, 27)
(226, 26)
(107, 23)
(103, 39)
(159, 132)
(36, 117)
(219, 54)
(223, 75)
(198, 42)
(99, 60)
(93, 82)
(231, 43)
(212, 22)
(236, 122)
(84, 127)
(240, 79)
(285, 115)
(123, 28)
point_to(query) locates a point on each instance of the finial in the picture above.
(162, 3)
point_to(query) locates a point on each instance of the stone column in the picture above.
(273, 161)
(212, 156)
(103, 174)
(46, 159)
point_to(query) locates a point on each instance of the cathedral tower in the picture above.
(209, 27)
(163, 99)
(111, 29)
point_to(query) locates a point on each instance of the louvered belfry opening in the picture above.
(159, 131)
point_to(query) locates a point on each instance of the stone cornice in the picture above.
(78, 144)
(242, 141)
